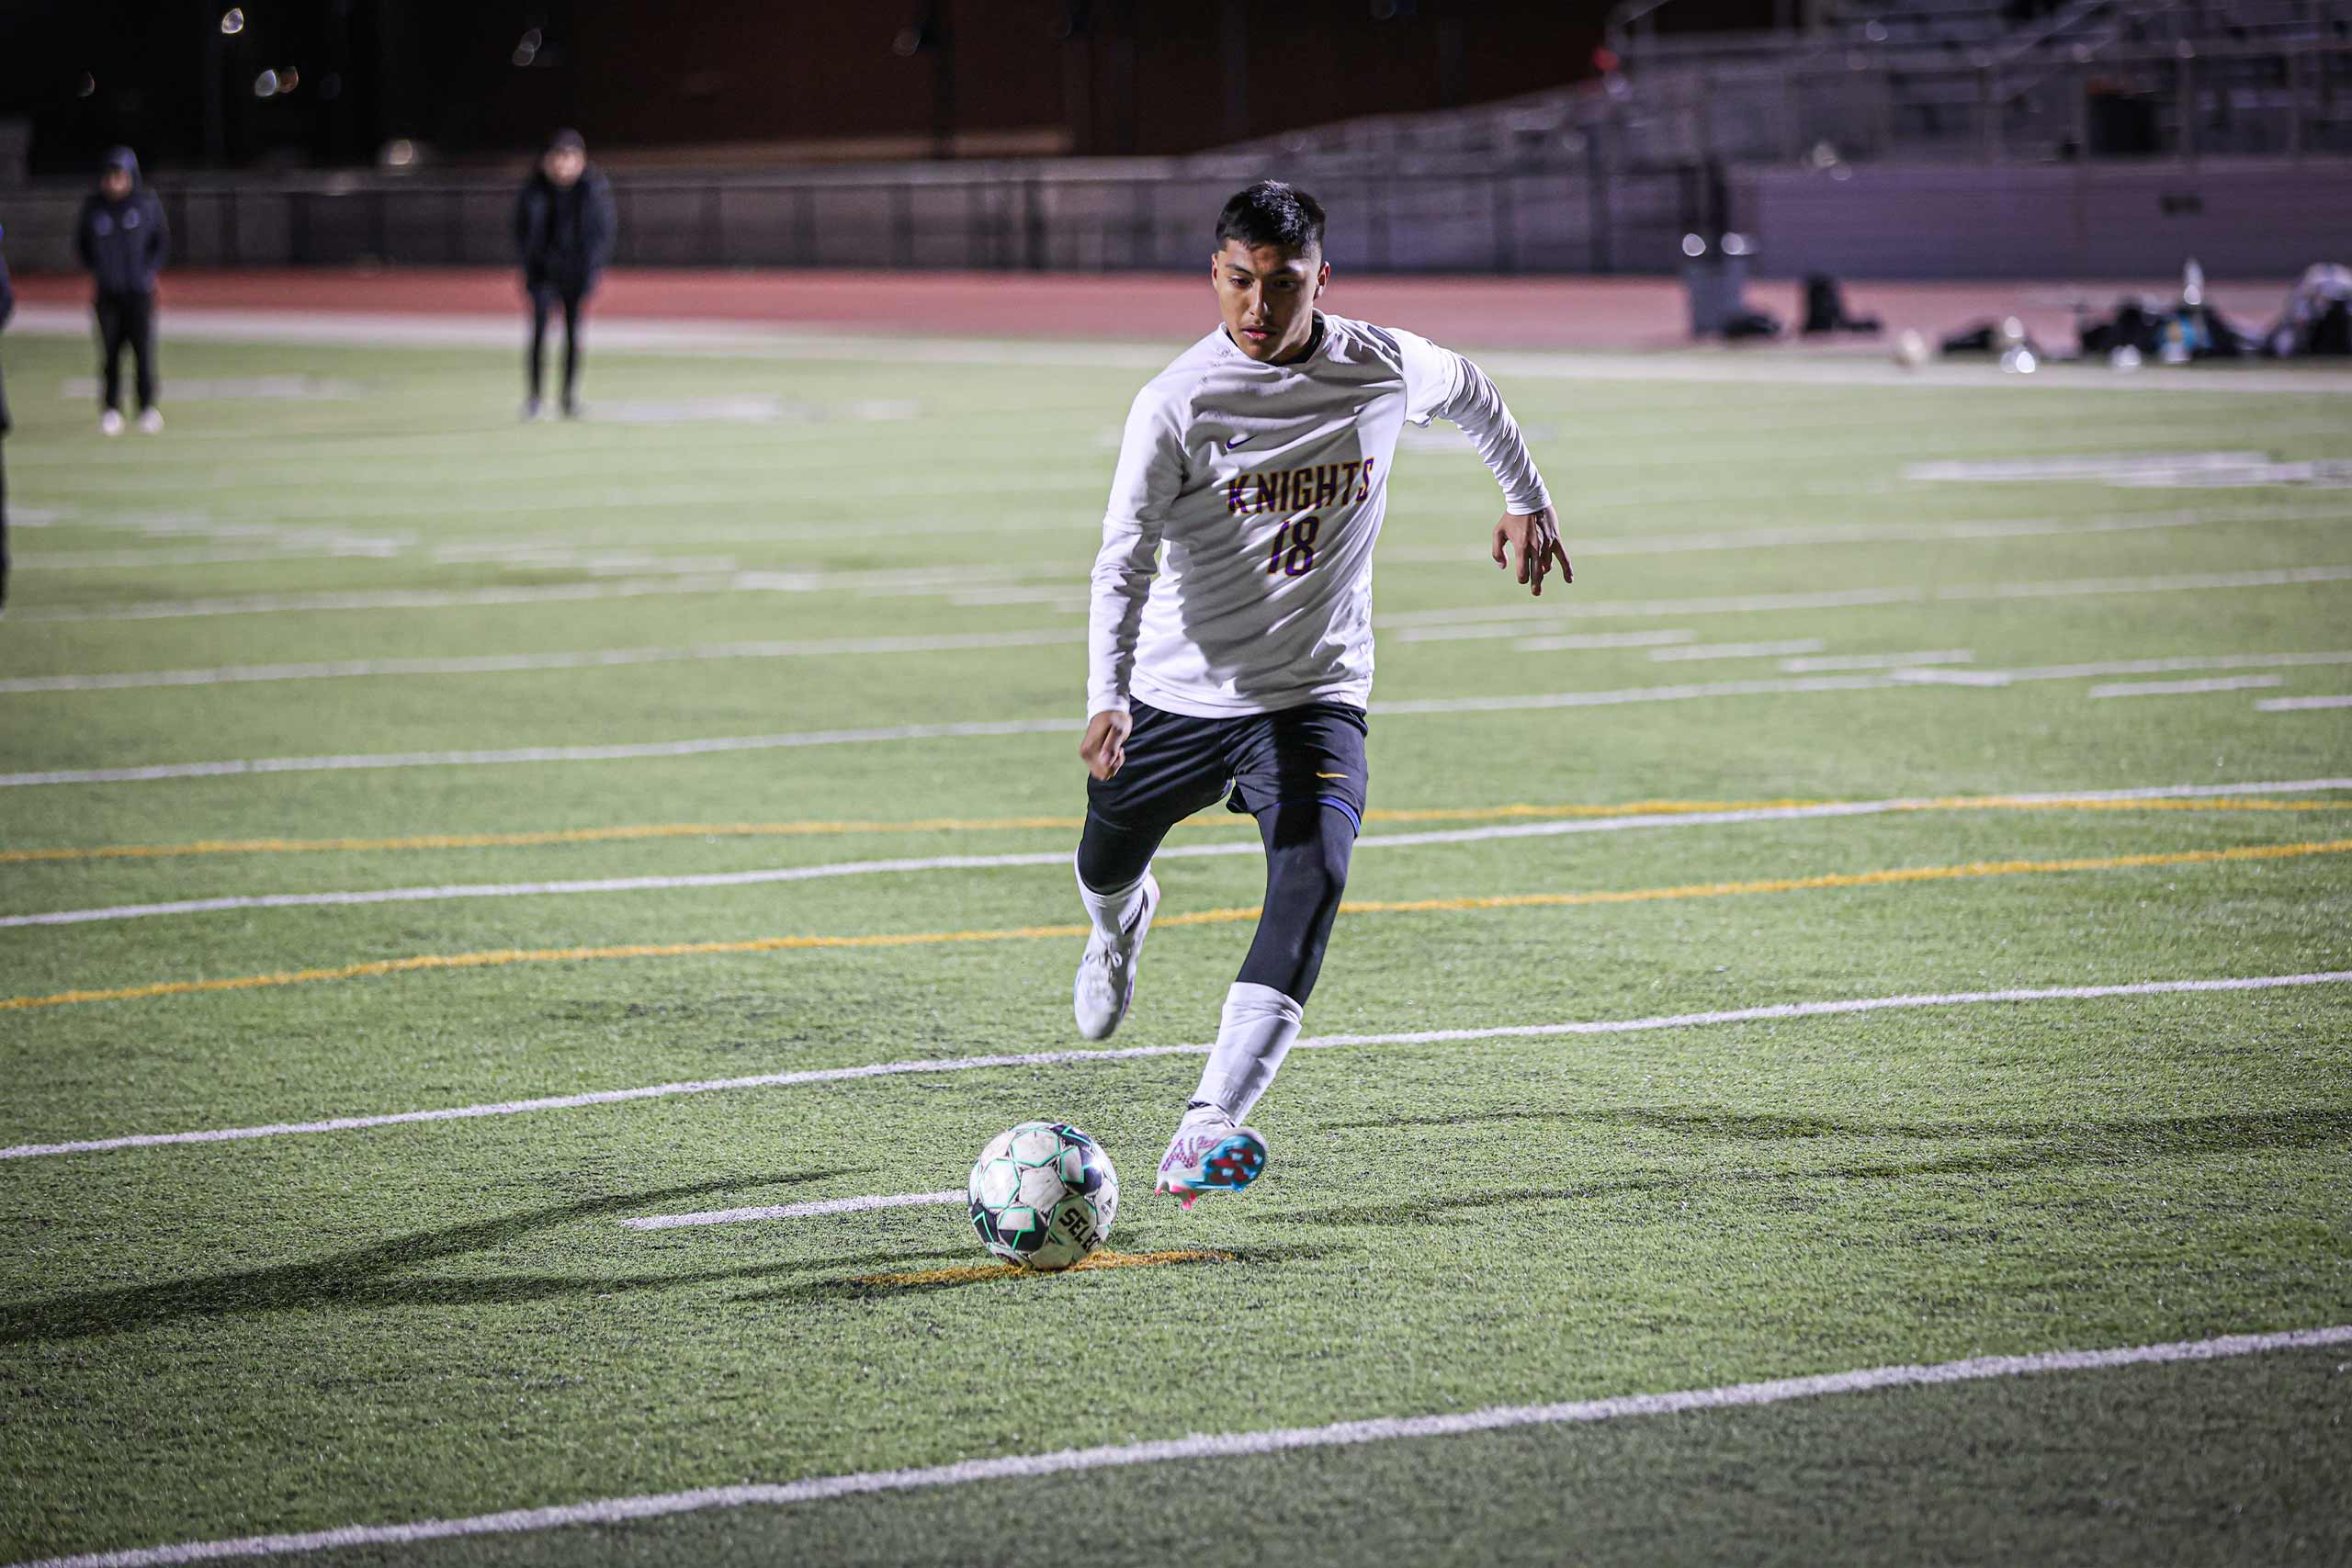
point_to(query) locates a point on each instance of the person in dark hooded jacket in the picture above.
(563, 235)
(7, 308)
(123, 241)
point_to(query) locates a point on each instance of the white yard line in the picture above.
(2302, 704)
(1644, 544)
(2072, 466)
(821, 1207)
(500, 663)
(1130, 1052)
(372, 599)
(910, 866)
(429, 895)
(1742, 368)
(1492, 615)
(1725, 650)
(805, 581)
(938, 580)
(1912, 676)
(1771, 687)
(695, 747)
(615, 1511)
(2187, 688)
(2180, 582)
(1851, 598)
(1829, 661)
(220, 555)
(1958, 532)
(2180, 664)
(370, 761)
(1576, 640)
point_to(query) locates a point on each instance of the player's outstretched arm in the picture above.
(1534, 537)
(1442, 384)
(1150, 472)
(1104, 749)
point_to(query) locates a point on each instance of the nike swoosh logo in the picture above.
(1235, 441)
(1330, 776)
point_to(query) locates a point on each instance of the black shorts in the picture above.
(1178, 764)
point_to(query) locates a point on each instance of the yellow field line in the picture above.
(501, 957)
(975, 1271)
(637, 831)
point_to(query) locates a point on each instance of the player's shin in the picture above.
(1110, 910)
(1252, 1038)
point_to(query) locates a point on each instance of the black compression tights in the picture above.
(1307, 845)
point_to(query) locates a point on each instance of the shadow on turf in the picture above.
(366, 1277)
(981, 1274)
(2034, 1146)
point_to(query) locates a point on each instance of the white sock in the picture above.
(1252, 1037)
(1110, 911)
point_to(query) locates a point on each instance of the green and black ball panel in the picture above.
(1044, 1194)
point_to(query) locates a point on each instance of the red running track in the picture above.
(1616, 313)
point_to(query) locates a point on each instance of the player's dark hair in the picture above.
(1273, 212)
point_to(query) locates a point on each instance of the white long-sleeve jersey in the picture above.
(1266, 484)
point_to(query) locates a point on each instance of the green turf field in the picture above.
(389, 592)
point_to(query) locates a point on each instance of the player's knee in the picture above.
(1307, 862)
(1113, 854)
(1324, 873)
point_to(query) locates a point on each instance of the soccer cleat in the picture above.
(150, 422)
(1106, 972)
(110, 424)
(1209, 1153)
(531, 410)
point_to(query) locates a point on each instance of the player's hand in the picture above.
(1105, 746)
(1536, 536)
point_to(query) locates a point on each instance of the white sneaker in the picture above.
(1210, 1154)
(150, 422)
(1106, 972)
(110, 424)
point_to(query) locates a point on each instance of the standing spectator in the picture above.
(7, 308)
(563, 235)
(122, 240)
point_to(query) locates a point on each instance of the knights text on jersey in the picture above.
(1264, 485)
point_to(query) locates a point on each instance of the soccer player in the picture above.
(1238, 664)
(122, 240)
(564, 236)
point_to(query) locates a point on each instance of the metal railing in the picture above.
(1132, 215)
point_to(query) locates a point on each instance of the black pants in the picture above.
(4, 495)
(1301, 772)
(545, 297)
(126, 320)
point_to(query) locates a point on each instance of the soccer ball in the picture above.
(1043, 1195)
(1910, 349)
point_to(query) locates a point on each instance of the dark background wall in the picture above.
(871, 78)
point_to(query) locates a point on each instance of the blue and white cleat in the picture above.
(1210, 1154)
(1106, 973)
